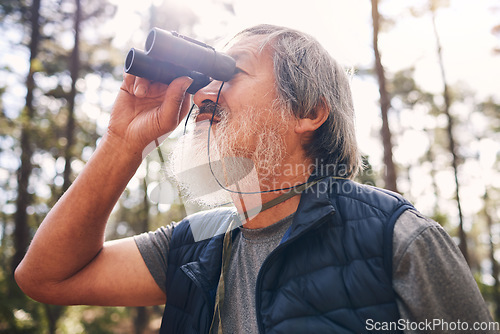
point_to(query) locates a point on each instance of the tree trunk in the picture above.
(451, 140)
(22, 231)
(141, 320)
(53, 313)
(390, 174)
(70, 125)
(430, 157)
(495, 270)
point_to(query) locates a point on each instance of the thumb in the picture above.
(175, 103)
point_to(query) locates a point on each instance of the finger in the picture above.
(177, 89)
(186, 105)
(128, 82)
(141, 87)
(176, 101)
(157, 89)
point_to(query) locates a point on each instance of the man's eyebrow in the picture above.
(242, 55)
(238, 55)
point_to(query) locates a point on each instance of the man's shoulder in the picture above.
(204, 225)
(412, 225)
(348, 192)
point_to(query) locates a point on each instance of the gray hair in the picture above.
(307, 77)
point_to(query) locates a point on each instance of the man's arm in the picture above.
(434, 283)
(68, 261)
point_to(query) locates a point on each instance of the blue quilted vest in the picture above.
(331, 273)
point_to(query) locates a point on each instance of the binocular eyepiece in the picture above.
(170, 55)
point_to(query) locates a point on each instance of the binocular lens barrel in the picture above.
(170, 55)
(140, 64)
(189, 53)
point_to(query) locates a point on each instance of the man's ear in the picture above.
(313, 121)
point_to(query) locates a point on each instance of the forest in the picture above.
(429, 136)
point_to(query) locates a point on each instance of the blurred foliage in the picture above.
(367, 175)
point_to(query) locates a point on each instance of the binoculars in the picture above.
(169, 55)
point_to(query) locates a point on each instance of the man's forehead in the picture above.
(246, 46)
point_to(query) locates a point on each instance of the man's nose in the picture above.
(209, 92)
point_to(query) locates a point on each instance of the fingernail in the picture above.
(188, 83)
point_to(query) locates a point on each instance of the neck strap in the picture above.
(281, 198)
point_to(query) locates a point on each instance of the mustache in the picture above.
(210, 107)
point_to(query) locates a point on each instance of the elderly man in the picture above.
(321, 254)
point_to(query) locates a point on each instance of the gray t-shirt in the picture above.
(250, 248)
(433, 283)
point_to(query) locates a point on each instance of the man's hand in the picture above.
(144, 111)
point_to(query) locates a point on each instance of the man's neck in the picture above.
(272, 215)
(264, 209)
(294, 172)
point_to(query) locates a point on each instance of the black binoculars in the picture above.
(170, 55)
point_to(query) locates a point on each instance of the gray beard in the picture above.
(205, 181)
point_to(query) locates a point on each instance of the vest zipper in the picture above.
(272, 255)
(205, 293)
